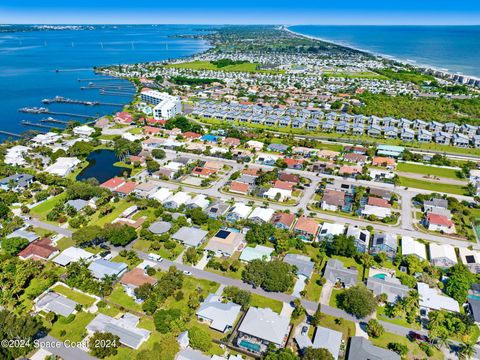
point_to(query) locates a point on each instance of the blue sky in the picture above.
(343, 12)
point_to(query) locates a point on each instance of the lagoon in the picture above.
(101, 166)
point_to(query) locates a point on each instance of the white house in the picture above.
(161, 195)
(259, 215)
(442, 255)
(177, 200)
(239, 211)
(83, 131)
(329, 230)
(63, 166)
(277, 194)
(413, 247)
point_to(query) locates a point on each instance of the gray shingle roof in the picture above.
(303, 264)
(190, 236)
(363, 349)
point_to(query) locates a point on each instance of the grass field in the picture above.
(347, 328)
(207, 65)
(313, 289)
(45, 207)
(261, 301)
(119, 297)
(355, 75)
(120, 207)
(434, 187)
(427, 170)
(414, 350)
(75, 330)
(80, 298)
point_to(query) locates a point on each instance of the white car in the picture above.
(186, 272)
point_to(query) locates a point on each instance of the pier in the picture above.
(35, 110)
(54, 121)
(29, 123)
(8, 133)
(63, 100)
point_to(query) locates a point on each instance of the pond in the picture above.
(101, 166)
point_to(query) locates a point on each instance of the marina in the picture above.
(42, 110)
(63, 100)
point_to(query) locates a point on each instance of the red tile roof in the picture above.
(292, 162)
(439, 220)
(374, 201)
(200, 171)
(382, 161)
(126, 188)
(283, 218)
(307, 225)
(251, 171)
(113, 183)
(356, 158)
(239, 187)
(191, 135)
(279, 184)
(231, 141)
(151, 130)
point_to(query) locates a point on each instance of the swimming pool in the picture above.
(380, 276)
(476, 297)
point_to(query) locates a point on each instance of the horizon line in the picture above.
(230, 24)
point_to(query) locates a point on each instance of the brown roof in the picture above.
(307, 225)
(380, 193)
(40, 249)
(283, 218)
(137, 277)
(378, 202)
(251, 171)
(279, 184)
(382, 161)
(349, 170)
(291, 178)
(356, 158)
(334, 197)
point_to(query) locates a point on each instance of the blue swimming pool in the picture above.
(380, 276)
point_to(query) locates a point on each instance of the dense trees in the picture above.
(260, 233)
(343, 245)
(168, 320)
(159, 154)
(183, 80)
(374, 328)
(238, 296)
(445, 324)
(13, 327)
(271, 276)
(358, 301)
(123, 148)
(165, 349)
(119, 234)
(459, 282)
(200, 338)
(88, 235)
(182, 123)
(317, 354)
(103, 344)
(12, 246)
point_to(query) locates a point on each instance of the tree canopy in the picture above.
(358, 301)
(271, 276)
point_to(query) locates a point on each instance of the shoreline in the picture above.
(409, 62)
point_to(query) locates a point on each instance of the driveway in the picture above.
(299, 286)
(326, 293)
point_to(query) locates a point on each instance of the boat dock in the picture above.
(8, 133)
(36, 110)
(63, 100)
(54, 121)
(29, 123)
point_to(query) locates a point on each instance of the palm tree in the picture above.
(466, 351)
(442, 341)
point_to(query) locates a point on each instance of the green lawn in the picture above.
(333, 297)
(64, 243)
(264, 302)
(80, 298)
(44, 208)
(76, 330)
(437, 187)
(120, 298)
(120, 207)
(313, 289)
(427, 170)
(414, 350)
(397, 321)
(207, 65)
(347, 328)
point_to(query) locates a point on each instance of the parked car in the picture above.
(155, 257)
(186, 272)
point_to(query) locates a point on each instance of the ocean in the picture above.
(29, 60)
(452, 48)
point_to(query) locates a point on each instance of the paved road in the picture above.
(310, 306)
(60, 349)
(47, 226)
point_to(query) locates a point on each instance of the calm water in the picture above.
(456, 48)
(101, 166)
(28, 62)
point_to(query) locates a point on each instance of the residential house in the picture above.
(53, 302)
(324, 338)
(239, 211)
(436, 222)
(220, 316)
(283, 220)
(386, 243)
(460, 140)
(304, 265)
(101, 268)
(190, 236)
(226, 242)
(332, 200)
(391, 286)
(135, 278)
(17, 182)
(177, 200)
(217, 209)
(413, 247)
(39, 250)
(431, 299)
(261, 328)
(442, 255)
(335, 272)
(362, 349)
(306, 228)
(361, 236)
(259, 252)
